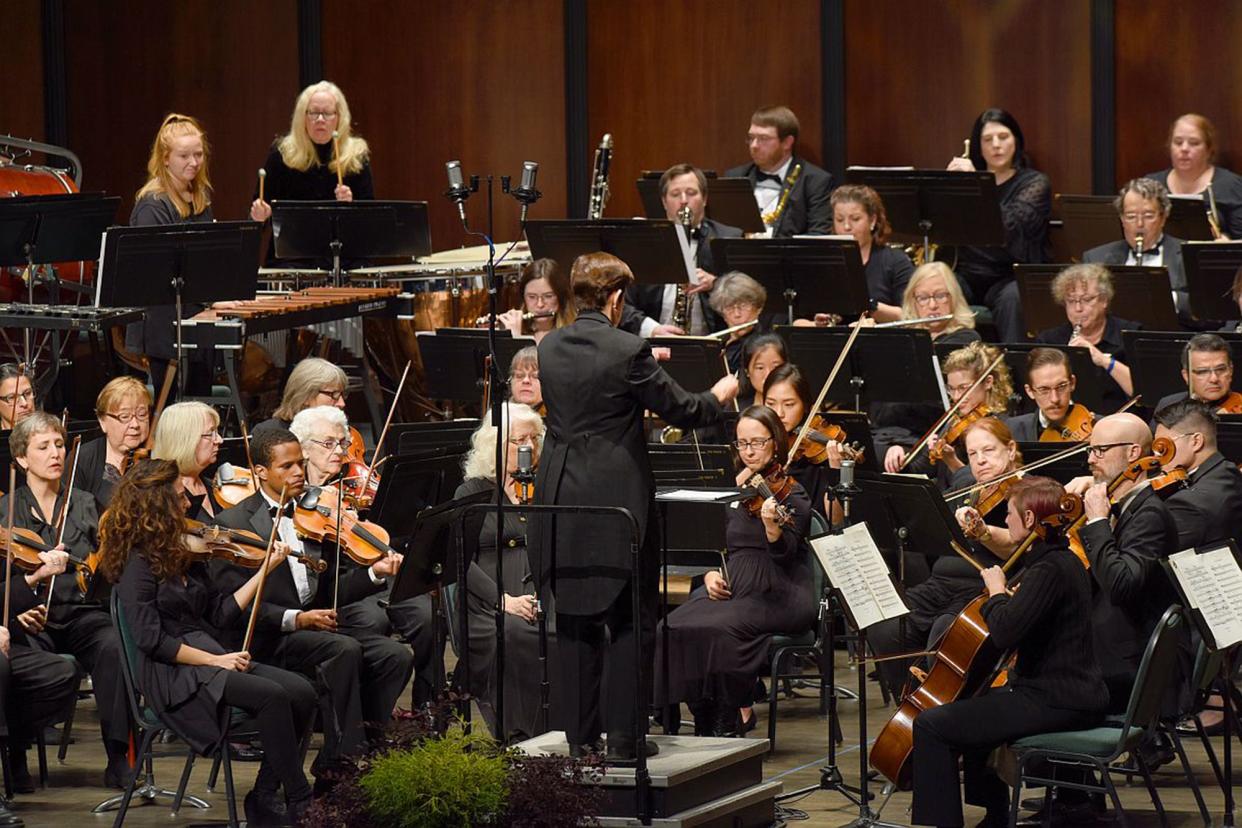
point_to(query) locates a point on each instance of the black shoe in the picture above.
(747, 725)
(728, 722)
(1186, 727)
(245, 752)
(627, 754)
(296, 809)
(585, 749)
(265, 808)
(23, 782)
(8, 819)
(118, 773)
(1081, 812)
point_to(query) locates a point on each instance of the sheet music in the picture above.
(699, 495)
(856, 568)
(1212, 584)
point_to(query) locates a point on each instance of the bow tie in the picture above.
(760, 177)
(272, 510)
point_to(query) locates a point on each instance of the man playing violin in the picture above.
(1207, 370)
(297, 625)
(1209, 508)
(17, 396)
(1050, 382)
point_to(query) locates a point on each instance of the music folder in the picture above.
(1209, 581)
(730, 201)
(857, 570)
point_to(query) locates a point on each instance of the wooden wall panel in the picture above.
(918, 74)
(1174, 58)
(21, 98)
(232, 64)
(475, 80)
(678, 81)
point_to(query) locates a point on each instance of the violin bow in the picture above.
(1075, 448)
(267, 556)
(254, 478)
(17, 395)
(953, 409)
(379, 444)
(729, 373)
(63, 518)
(340, 514)
(823, 392)
(8, 564)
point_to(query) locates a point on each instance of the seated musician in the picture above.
(189, 435)
(74, 622)
(545, 298)
(522, 427)
(992, 453)
(962, 370)
(771, 139)
(1209, 508)
(1086, 291)
(1207, 370)
(17, 396)
(739, 299)
(761, 355)
(788, 394)
(524, 385)
(858, 211)
(1193, 171)
(312, 382)
(123, 409)
(298, 627)
(1143, 205)
(650, 309)
(718, 640)
(186, 672)
(1053, 685)
(1050, 382)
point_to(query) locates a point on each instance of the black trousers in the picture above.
(386, 664)
(413, 620)
(972, 728)
(36, 689)
(933, 605)
(282, 704)
(589, 645)
(88, 635)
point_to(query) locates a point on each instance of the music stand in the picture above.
(175, 264)
(652, 248)
(884, 365)
(1229, 437)
(422, 437)
(1210, 271)
(1063, 470)
(1086, 392)
(1087, 221)
(1188, 219)
(357, 229)
(453, 363)
(695, 362)
(1142, 291)
(802, 276)
(409, 485)
(730, 201)
(1156, 361)
(942, 206)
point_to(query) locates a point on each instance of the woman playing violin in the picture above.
(188, 434)
(123, 409)
(1055, 683)
(788, 394)
(719, 639)
(962, 370)
(323, 432)
(173, 607)
(312, 382)
(75, 623)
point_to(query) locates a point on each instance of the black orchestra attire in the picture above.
(1054, 685)
(522, 675)
(888, 272)
(79, 624)
(1227, 191)
(597, 382)
(198, 503)
(155, 335)
(986, 273)
(1112, 395)
(361, 672)
(95, 474)
(1208, 509)
(1163, 252)
(194, 700)
(273, 422)
(807, 211)
(1027, 428)
(718, 649)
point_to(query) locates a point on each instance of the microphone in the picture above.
(526, 192)
(847, 474)
(525, 459)
(457, 192)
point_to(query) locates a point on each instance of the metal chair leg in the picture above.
(214, 776)
(66, 734)
(185, 780)
(1151, 788)
(1190, 777)
(230, 791)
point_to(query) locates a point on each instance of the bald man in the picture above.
(1124, 542)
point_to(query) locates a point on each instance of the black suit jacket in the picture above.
(597, 382)
(1118, 251)
(90, 477)
(807, 210)
(1209, 508)
(1025, 427)
(280, 593)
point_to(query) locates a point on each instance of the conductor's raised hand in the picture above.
(725, 389)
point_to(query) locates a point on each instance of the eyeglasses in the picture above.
(1082, 301)
(333, 444)
(520, 376)
(127, 417)
(959, 390)
(528, 440)
(317, 115)
(1135, 218)
(757, 444)
(1104, 448)
(1186, 434)
(211, 436)
(1215, 370)
(24, 396)
(541, 298)
(1047, 391)
(760, 139)
(925, 299)
(335, 396)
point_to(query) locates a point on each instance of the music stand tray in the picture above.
(1143, 292)
(942, 206)
(357, 230)
(416, 437)
(54, 228)
(1210, 270)
(430, 556)
(695, 362)
(890, 503)
(409, 485)
(730, 201)
(453, 364)
(652, 248)
(1188, 218)
(1087, 221)
(1063, 470)
(802, 276)
(885, 365)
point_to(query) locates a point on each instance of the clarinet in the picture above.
(681, 306)
(599, 178)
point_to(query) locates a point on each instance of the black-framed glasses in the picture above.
(758, 443)
(335, 396)
(1104, 448)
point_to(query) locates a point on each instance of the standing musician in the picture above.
(595, 455)
(1207, 370)
(1209, 508)
(71, 621)
(123, 409)
(963, 369)
(858, 211)
(650, 309)
(719, 639)
(312, 382)
(1054, 684)
(188, 434)
(771, 138)
(1086, 291)
(17, 396)
(524, 384)
(185, 671)
(1192, 171)
(177, 191)
(992, 453)
(545, 297)
(1050, 382)
(359, 676)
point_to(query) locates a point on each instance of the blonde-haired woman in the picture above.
(123, 409)
(188, 435)
(302, 164)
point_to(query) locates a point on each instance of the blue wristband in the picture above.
(1112, 362)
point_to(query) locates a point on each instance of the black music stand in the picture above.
(1156, 361)
(453, 363)
(408, 485)
(1063, 470)
(1087, 221)
(695, 362)
(802, 276)
(942, 206)
(1210, 270)
(411, 438)
(652, 248)
(1087, 391)
(730, 201)
(359, 230)
(1229, 437)
(176, 264)
(884, 365)
(1143, 293)
(1188, 219)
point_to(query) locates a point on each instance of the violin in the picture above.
(237, 546)
(958, 426)
(773, 482)
(361, 481)
(26, 545)
(232, 485)
(1169, 481)
(319, 513)
(1231, 403)
(1075, 427)
(984, 500)
(814, 446)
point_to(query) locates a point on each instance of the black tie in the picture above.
(760, 177)
(272, 510)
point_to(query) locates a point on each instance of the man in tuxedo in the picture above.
(1209, 508)
(1050, 382)
(1207, 370)
(359, 675)
(771, 138)
(1143, 206)
(598, 382)
(649, 308)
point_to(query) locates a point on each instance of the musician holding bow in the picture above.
(1050, 382)
(1207, 370)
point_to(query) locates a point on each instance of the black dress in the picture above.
(95, 474)
(717, 649)
(888, 272)
(522, 671)
(1110, 343)
(1227, 191)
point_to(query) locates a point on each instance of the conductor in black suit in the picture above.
(771, 138)
(598, 382)
(1209, 508)
(1143, 206)
(649, 309)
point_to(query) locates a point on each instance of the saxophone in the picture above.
(771, 219)
(599, 178)
(681, 306)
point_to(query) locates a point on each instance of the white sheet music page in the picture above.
(1212, 584)
(856, 568)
